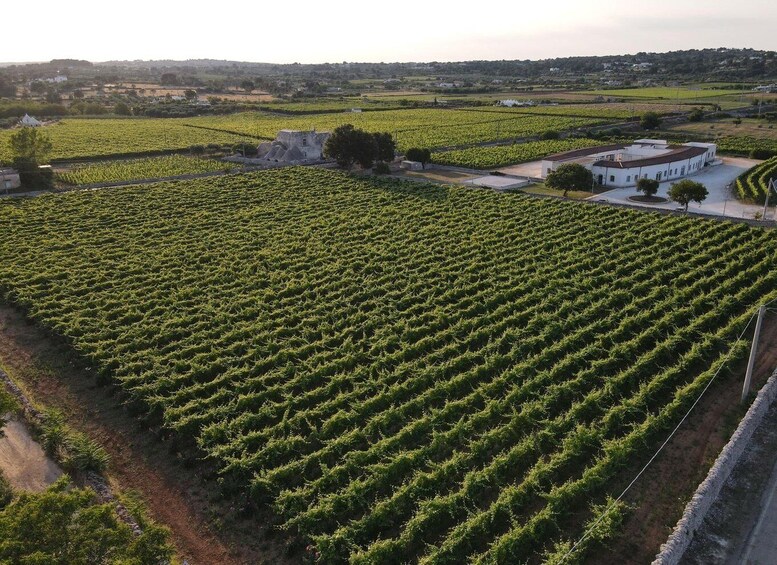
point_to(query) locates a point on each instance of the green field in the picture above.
(501, 155)
(411, 127)
(668, 93)
(754, 184)
(79, 138)
(134, 169)
(405, 372)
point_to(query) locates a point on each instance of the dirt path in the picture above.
(22, 460)
(206, 529)
(660, 496)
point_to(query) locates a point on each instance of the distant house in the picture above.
(511, 103)
(28, 120)
(294, 146)
(9, 179)
(56, 80)
(766, 88)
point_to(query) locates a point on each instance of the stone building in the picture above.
(291, 146)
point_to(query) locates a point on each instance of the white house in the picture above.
(9, 179)
(291, 146)
(620, 165)
(511, 103)
(28, 120)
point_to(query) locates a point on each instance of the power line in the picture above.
(622, 494)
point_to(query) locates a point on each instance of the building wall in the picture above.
(621, 178)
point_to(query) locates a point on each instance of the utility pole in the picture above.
(768, 192)
(753, 352)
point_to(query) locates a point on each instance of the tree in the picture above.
(648, 187)
(190, 94)
(248, 85)
(348, 145)
(384, 146)
(570, 176)
(30, 147)
(169, 78)
(696, 115)
(30, 143)
(121, 109)
(650, 120)
(686, 191)
(423, 156)
(37, 87)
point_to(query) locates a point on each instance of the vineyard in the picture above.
(79, 138)
(753, 184)
(134, 169)
(501, 155)
(744, 145)
(405, 372)
(413, 127)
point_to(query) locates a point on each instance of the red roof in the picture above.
(680, 153)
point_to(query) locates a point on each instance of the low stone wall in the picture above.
(693, 516)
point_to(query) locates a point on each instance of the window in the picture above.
(658, 176)
(612, 178)
(682, 171)
(304, 141)
(549, 170)
(628, 178)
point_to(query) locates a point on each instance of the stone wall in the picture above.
(693, 516)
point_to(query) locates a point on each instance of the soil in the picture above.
(178, 491)
(648, 199)
(22, 460)
(659, 497)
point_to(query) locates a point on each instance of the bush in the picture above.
(696, 115)
(83, 454)
(381, 168)
(762, 153)
(550, 134)
(245, 148)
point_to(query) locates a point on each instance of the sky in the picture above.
(288, 31)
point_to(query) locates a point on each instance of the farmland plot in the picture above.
(404, 372)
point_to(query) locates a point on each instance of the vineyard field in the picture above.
(412, 127)
(135, 169)
(753, 184)
(502, 155)
(403, 372)
(81, 138)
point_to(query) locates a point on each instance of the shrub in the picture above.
(83, 454)
(550, 134)
(381, 168)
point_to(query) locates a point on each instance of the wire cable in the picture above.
(677, 427)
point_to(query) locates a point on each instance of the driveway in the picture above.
(530, 169)
(720, 201)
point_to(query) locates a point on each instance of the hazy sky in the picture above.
(285, 31)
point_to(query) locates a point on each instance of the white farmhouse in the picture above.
(9, 179)
(291, 146)
(28, 120)
(619, 165)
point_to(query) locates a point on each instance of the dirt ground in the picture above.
(22, 460)
(660, 496)
(206, 529)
